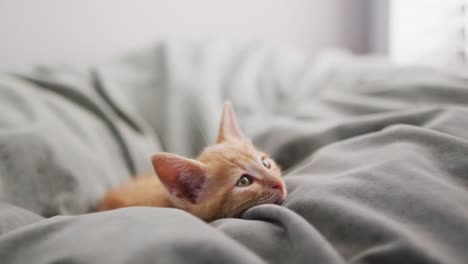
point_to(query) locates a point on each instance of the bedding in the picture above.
(375, 157)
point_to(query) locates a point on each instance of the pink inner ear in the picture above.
(191, 187)
(229, 127)
(182, 177)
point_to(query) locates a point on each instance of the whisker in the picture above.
(249, 203)
(242, 207)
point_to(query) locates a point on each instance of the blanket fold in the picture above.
(375, 157)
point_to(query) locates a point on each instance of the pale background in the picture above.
(429, 31)
(86, 31)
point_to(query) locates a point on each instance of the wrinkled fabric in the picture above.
(375, 157)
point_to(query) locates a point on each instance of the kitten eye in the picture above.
(245, 180)
(266, 162)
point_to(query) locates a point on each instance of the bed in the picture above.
(375, 157)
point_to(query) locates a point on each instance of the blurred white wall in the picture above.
(428, 31)
(85, 31)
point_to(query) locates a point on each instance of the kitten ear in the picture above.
(229, 127)
(183, 178)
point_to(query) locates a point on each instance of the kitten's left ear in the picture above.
(182, 177)
(229, 127)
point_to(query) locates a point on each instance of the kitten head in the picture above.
(226, 179)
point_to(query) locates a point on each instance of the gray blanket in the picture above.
(376, 157)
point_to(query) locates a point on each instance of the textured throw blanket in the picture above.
(376, 157)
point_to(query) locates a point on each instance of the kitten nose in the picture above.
(278, 185)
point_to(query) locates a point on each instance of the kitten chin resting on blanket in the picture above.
(226, 179)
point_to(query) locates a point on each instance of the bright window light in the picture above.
(428, 31)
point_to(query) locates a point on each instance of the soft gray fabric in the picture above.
(13, 217)
(375, 157)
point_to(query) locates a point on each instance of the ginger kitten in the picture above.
(226, 179)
